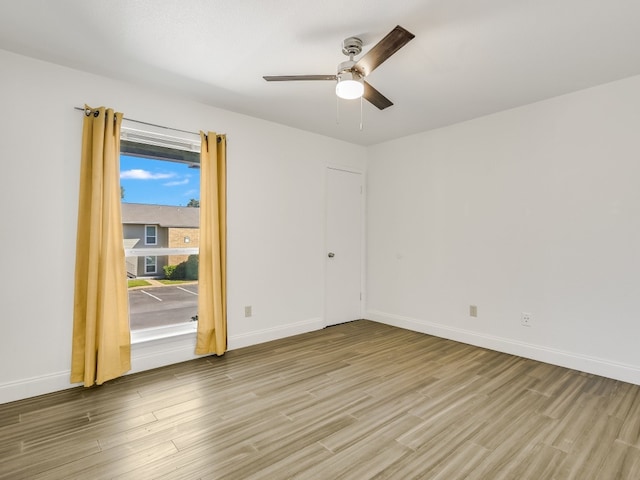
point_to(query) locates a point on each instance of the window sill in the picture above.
(159, 333)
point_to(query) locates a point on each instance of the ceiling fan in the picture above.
(350, 76)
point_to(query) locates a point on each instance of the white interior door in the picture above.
(344, 247)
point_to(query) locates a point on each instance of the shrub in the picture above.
(183, 271)
(179, 272)
(191, 268)
(169, 271)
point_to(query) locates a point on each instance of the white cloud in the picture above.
(190, 192)
(176, 183)
(139, 174)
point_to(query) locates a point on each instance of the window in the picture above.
(160, 188)
(150, 264)
(150, 235)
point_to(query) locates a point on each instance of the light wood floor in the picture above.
(355, 401)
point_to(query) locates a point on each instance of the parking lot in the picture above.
(166, 305)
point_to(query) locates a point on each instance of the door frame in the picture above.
(325, 246)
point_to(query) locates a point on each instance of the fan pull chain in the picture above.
(361, 114)
(337, 110)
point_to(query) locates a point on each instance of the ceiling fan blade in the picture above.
(289, 78)
(374, 97)
(394, 41)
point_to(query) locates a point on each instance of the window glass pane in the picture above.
(150, 235)
(160, 217)
(150, 264)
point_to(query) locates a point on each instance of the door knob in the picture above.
(331, 255)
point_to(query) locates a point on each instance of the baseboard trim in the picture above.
(34, 386)
(576, 361)
(152, 354)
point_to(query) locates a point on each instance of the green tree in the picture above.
(193, 203)
(121, 192)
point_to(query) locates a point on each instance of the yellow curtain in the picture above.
(101, 336)
(212, 265)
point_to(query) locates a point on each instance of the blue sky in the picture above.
(158, 182)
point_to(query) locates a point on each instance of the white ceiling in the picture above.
(469, 57)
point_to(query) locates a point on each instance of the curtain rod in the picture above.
(149, 124)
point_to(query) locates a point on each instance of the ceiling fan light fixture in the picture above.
(350, 85)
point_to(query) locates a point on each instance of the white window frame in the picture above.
(155, 236)
(188, 142)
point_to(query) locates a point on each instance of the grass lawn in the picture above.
(173, 282)
(137, 283)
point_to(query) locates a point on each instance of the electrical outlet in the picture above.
(526, 319)
(473, 310)
(247, 311)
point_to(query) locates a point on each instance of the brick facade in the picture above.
(177, 238)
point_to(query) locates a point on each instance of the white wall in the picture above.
(535, 209)
(275, 208)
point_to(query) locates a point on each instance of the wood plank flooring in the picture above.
(355, 401)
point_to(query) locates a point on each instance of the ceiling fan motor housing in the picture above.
(346, 66)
